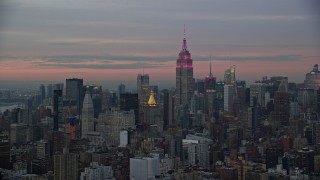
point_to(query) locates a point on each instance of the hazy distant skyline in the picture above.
(111, 40)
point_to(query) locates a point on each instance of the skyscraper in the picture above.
(116, 122)
(4, 153)
(57, 109)
(306, 159)
(210, 91)
(184, 77)
(228, 97)
(49, 91)
(74, 92)
(253, 119)
(65, 166)
(257, 90)
(313, 78)
(142, 88)
(230, 89)
(318, 100)
(42, 92)
(87, 119)
(128, 102)
(230, 75)
(152, 113)
(57, 140)
(57, 86)
(168, 110)
(43, 150)
(121, 89)
(199, 86)
(219, 101)
(96, 94)
(281, 105)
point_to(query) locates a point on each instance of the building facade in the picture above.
(57, 109)
(96, 96)
(130, 101)
(228, 97)
(42, 92)
(184, 77)
(87, 119)
(97, 172)
(257, 91)
(144, 168)
(65, 166)
(210, 91)
(142, 88)
(152, 113)
(313, 78)
(74, 92)
(116, 122)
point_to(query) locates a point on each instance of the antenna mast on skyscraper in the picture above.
(210, 65)
(184, 44)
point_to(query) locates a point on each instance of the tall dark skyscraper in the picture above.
(128, 102)
(4, 153)
(210, 91)
(58, 109)
(143, 88)
(219, 98)
(42, 92)
(74, 92)
(167, 102)
(281, 112)
(49, 91)
(184, 77)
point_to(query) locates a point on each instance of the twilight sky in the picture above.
(112, 40)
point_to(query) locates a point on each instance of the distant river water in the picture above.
(4, 108)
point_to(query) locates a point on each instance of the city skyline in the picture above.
(163, 90)
(112, 40)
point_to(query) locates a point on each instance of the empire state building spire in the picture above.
(184, 77)
(184, 53)
(210, 74)
(184, 42)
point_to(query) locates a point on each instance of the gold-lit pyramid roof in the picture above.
(152, 101)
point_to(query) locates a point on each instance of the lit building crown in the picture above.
(184, 58)
(152, 101)
(184, 53)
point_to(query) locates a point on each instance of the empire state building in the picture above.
(184, 76)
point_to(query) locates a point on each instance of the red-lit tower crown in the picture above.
(184, 58)
(184, 77)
